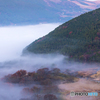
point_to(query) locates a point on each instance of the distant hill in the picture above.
(24, 12)
(79, 38)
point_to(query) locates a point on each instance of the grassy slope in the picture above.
(79, 38)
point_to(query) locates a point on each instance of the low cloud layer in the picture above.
(12, 42)
(14, 39)
(32, 63)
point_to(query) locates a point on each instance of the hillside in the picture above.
(79, 38)
(19, 12)
(26, 12)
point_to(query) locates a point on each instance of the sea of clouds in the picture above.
(13, 40)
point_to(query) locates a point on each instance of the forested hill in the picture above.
(79, 38)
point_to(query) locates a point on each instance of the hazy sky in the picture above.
(14, 39)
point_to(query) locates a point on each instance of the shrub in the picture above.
(50, 97)
(55, 71)
(35, 89)
(50, 89)
(42, 71)
(26, 91)
(46, 82)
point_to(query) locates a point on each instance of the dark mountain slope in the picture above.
(21, 12)
(79, 38)
(26, 12)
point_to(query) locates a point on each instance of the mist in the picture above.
(13, 40)
(32, 63)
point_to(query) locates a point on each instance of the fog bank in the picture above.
(32, 63)
(14, 39)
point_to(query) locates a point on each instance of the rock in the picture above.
(96, 76)
(87, 73)
(84, 73)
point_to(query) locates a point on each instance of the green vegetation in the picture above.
(79, 38)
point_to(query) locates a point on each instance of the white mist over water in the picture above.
(14, 39)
